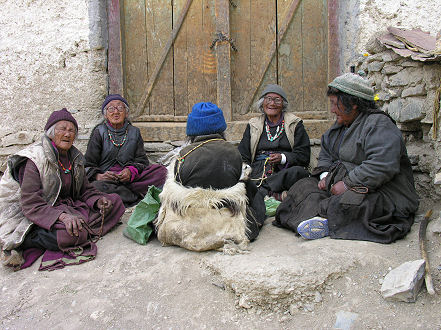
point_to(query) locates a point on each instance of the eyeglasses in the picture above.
(276, 100)
(119, 108)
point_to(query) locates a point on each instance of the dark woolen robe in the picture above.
(103, 155)
(279, 177)
(218, 165)
(370, 157)
(49, 232)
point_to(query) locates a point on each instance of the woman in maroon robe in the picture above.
(64, 212)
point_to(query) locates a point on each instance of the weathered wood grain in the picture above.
(135, 51)
(223, 58)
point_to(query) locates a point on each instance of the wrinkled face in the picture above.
(342, 116)
(272, 104)
(116, 113)
(64, 135)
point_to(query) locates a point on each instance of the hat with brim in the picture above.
(353, 84)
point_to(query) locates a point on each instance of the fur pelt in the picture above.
(201, 219)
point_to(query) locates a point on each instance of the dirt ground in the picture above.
(283, 282)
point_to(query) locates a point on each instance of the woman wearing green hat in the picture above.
(363, 186)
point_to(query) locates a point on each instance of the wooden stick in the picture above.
(158, 67)
(423, 249)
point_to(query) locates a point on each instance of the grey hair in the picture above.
(125, 106)
(259, 104)
(50, 132)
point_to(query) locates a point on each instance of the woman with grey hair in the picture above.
(275, 144)
(116, 161)
(47, 203)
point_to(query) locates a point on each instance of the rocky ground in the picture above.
(282, 282)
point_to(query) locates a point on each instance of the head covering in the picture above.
(205, 118)
(273, 88)
(113, 97)
(353, 84)
(59, 115)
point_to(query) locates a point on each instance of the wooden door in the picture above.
(172, 60)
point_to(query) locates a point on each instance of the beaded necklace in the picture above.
(66, 170)
(113, 141)
(278, 132)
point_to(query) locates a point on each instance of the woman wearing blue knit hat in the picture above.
(207, 199)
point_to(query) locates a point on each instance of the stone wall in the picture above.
(359, 20)
(52, 55)
(406, 90)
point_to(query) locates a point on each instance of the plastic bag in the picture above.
(140, 224)
(271, 205)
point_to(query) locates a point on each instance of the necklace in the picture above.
(279, 131)
(66, 170)
(113, 141)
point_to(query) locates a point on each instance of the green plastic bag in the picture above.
(140, 224)
(271, 205)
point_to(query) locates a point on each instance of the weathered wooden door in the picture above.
(176, 53)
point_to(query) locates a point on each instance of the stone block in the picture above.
(375, 57)
(373, 46)
(375, 66)
(389, 68)
(408, 64)
(432, 75)
(406, 77)
(404, 282)
(428, 107)
(18, 138)
(157, 147)
(389, 56)
(406, 110)
(437, 179)
(417, 90)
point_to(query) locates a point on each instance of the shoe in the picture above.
(313, 228)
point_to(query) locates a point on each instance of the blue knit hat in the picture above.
(113, 97)
(205, 118)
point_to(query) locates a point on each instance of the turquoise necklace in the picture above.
(279, 131)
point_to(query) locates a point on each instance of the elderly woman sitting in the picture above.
(364, 187)
(275, 144)
(47, 203)
(207, 200)
(116, 161)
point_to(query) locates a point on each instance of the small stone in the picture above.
(243, 302)
(95, 315)
(308, 307)
(293, 308)
(437, 178)
(404, 282)
(344, 320)
(317, 297)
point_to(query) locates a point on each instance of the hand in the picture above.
(125, 175)
(104, 204)
(338, 188)
(275, 158)
(73, 223)
(322, 184)
(107, 176)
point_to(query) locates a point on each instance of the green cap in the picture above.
(353, 84)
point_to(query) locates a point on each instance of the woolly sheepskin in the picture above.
(201, 219)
